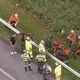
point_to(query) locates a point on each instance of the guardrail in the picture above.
(36, 45)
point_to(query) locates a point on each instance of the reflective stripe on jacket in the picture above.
(58, 70)
(28, 45)
(24, 57)
(41, 58)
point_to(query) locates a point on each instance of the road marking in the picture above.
(7, 74)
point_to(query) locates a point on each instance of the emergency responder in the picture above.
(27, 61)
(47, 71)
(14, 19)
(13, 44)
(28, 46)
(71, 37)
(58, 49)
(72, 42)
(41, 59)
(42, 46)
(58, 71)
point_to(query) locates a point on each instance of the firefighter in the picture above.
(57, 48)
(71, 38)
(27, 61)
(13, 20)
(42, 46)
(28, 46)
(58, 71)
(41, 59)
(47, 71)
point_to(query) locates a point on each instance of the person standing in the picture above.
(58, 71)
(27, 61)
(13, 20)
(57, 48)
(28, 46)
(13, 44)
(71, 38)
(42, 46)
(41, 59)
(22, 42)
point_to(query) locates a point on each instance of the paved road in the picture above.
(13, 65)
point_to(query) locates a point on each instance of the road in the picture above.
(12, 67)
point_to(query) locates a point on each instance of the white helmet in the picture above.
(79, 37)
(72, 31)
(16, 14)
(42, 41)
(13, 35)
(28, 38)
(56, 64)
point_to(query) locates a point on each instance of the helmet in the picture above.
(72, 31)
(24, 50)
(42, 41)
(28, 38)
(13, 35)
(15, 14)
(56, 64)
(79, 37)
(28, 34)
(41, 52)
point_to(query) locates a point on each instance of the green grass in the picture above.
(27, 23)
(35, 26)
(60, 14)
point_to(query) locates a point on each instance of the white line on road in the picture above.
(7, 74)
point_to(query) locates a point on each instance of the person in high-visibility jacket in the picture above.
(28, 46)
(41, 46)
(27, 61)
(41, 59)
(58, 71)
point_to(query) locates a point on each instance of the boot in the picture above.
(29, 67)
(25, 68)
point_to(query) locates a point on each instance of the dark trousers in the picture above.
(40, 67)
(22, 47)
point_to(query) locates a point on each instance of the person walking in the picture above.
(28, 46)
(14, 20)
(27, 61)
(41, 59)
(58, 71)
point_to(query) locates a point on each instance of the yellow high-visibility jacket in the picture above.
(24, 57)
(41, 48)
(58, 70)
(28, 45)
(41, 58)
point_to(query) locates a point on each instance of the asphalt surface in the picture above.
(14, 66)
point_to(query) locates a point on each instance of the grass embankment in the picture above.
(59, 14)
(29, 24)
